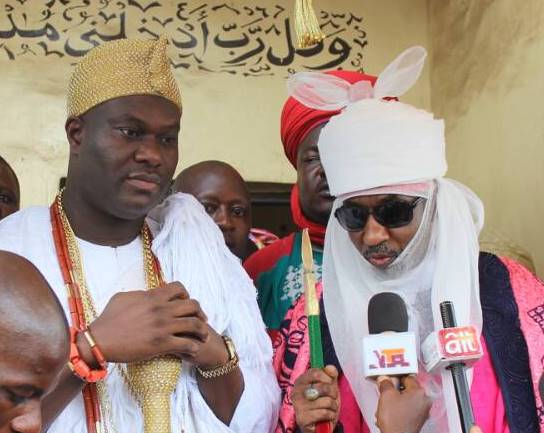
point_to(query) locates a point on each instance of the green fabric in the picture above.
(280, 286)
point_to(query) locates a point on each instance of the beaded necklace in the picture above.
(82, 308)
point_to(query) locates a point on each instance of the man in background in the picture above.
(277, 269)
(10, 194)
(225, 197)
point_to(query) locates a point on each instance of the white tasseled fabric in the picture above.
(191, 250)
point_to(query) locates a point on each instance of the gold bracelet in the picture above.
(226, 368)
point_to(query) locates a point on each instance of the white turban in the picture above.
(376, 146)
(375, 143)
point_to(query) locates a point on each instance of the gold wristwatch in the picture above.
(226, 368)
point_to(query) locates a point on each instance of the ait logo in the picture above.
(390, 358)
(461, 341)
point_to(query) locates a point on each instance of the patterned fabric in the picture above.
(529, 295)
(291, 359)
(277, 273)
(121, 68)
(506, 344)
(502, 391)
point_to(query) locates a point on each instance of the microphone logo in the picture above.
(390, 358)
(389, 354)
(459, 342)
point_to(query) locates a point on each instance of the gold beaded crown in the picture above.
(118, 68)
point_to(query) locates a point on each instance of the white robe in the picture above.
(191, 250)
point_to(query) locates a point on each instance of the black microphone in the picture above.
(458, 373)
(387, 313)
(389, 350)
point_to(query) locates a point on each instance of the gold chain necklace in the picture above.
(151, 382)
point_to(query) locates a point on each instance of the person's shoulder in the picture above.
(267, 257)
(490, 263)
(29, 217)
(522, 278)
(503, 271)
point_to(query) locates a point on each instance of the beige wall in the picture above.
(226, 117)
(484, 74)
(486, 81)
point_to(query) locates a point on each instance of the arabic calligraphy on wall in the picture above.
(232, 38)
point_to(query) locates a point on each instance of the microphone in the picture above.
(389, 350)
(457, 367)
(448, 345)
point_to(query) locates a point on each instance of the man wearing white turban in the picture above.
(399, 226)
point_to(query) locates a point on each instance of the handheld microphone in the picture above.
(458, 373)
(448, 345)
(389, 350)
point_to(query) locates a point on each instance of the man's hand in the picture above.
(402, 411)
(140, 325)
(326, 407)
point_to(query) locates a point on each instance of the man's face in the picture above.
(27, 372)
(225, 199)
(9, 192)
(315, 198)
(375, 242)
(124, 153)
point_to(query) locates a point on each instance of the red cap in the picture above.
(297, 120)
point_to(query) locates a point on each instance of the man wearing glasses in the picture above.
(400, 226)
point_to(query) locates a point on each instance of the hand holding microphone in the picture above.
(402, 411)
(390, 357)
(454, 348)
(389, 349)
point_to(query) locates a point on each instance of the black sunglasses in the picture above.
(391, 214)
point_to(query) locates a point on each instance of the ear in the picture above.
(74, 128)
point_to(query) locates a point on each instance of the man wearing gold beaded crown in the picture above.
(166, 335)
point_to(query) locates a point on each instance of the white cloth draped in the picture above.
(440, 263)
(191, 250)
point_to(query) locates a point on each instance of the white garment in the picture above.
(211, 274)
(374, 143)
(437, 265)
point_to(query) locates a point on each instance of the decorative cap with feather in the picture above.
(298, 120)
(370, 142)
